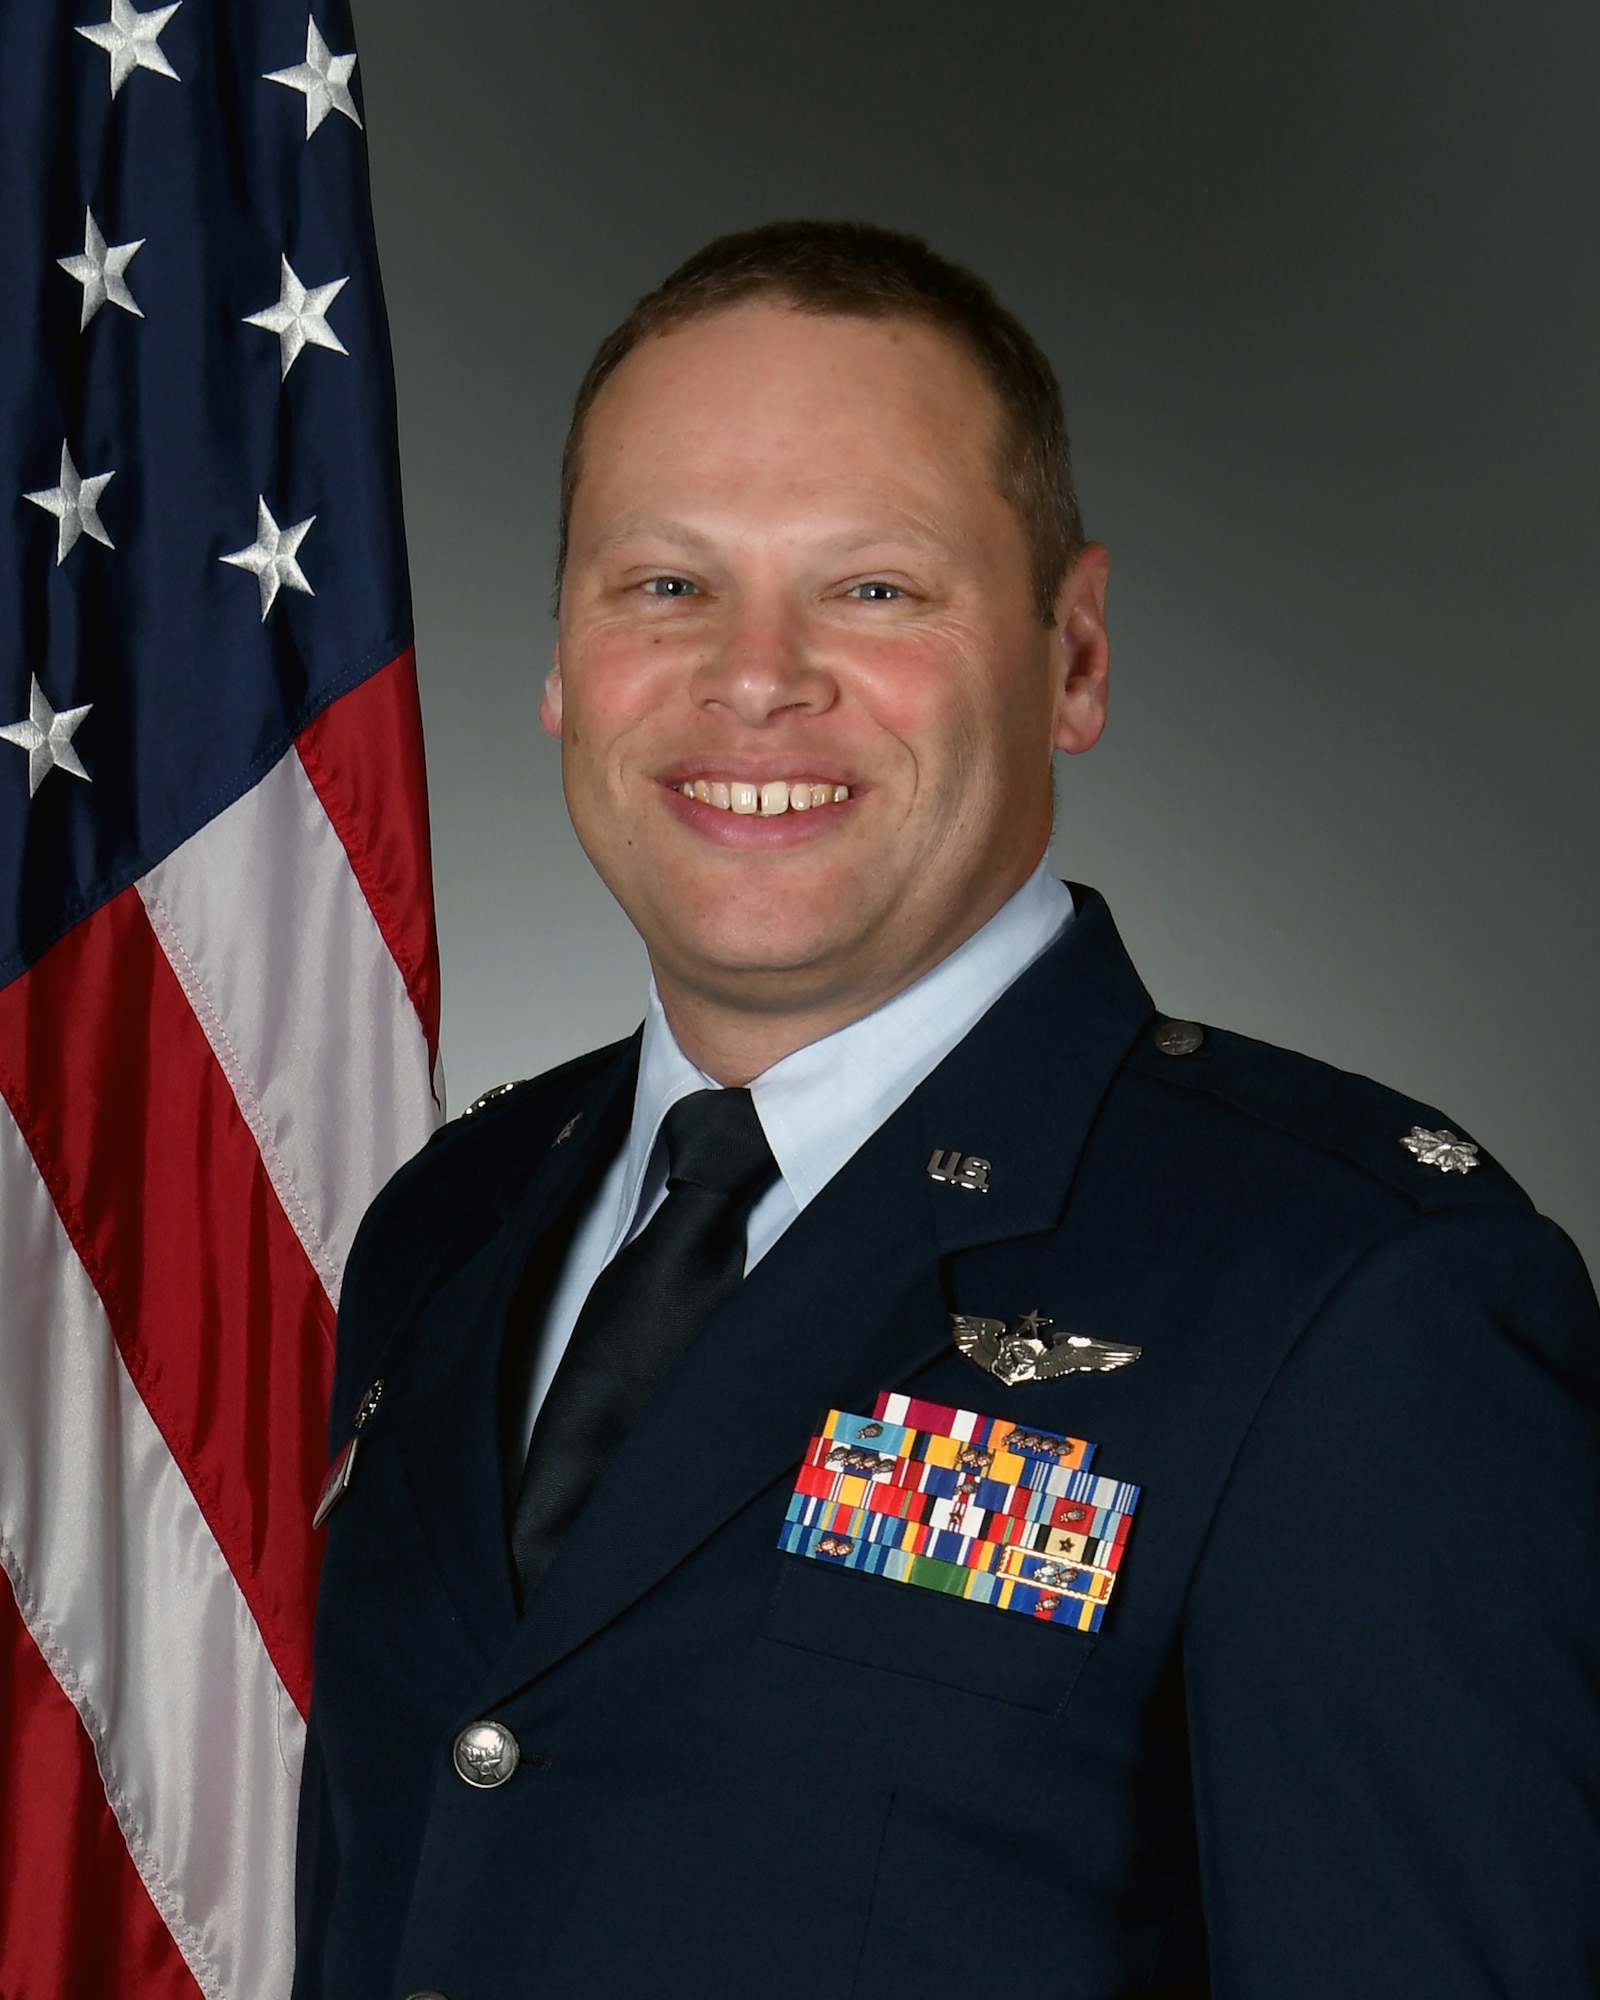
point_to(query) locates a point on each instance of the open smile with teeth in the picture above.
(778, 796)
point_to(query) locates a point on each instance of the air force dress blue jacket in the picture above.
(1337, 1734)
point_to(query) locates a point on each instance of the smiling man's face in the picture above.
(791, 575)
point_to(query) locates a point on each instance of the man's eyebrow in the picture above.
(650, 527)
(905, 531)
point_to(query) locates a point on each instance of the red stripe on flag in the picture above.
(77, 1918)
(223, 1324)
(363, 755)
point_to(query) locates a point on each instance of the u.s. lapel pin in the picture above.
(952, 1167)
(1022, 1354)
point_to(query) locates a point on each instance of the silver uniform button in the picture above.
(1179, 1038)
(486, 1754)
(427, 1993)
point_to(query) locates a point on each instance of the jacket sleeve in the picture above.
(1392, 1647)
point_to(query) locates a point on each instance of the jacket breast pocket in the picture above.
(904, 1629)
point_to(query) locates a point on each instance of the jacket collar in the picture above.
(851, 1299)
(581, 1145)
(1024, 1088)
(450, 1423)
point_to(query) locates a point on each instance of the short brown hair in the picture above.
(856, 271)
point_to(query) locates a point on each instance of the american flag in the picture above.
(218, 975)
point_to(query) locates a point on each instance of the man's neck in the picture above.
(736, 1034)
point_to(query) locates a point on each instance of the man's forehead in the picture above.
(767, 351)
(761, 395)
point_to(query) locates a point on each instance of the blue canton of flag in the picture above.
(203, 542)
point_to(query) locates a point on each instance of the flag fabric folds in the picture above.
(218, 974)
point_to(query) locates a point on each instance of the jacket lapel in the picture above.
(450, 1417)
(1024, 1089)
(851, 1299)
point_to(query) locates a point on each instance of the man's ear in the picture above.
(550, 705)
(1082, 652)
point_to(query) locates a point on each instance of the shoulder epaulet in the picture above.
(490, 1096)
(1413, 1148)
(550, 1088)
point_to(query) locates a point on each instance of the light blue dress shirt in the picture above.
(817, 1106)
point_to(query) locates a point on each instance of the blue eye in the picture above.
(670, 586)
(876, 593)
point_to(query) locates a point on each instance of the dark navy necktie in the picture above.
(641, 1313)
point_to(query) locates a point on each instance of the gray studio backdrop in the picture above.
(1322, 283)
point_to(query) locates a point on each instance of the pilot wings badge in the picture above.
(1024, 1355)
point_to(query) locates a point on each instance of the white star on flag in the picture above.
(272, 556)
(132, 40)
(100, 271)
(298, 319)
(325, 79)
(73, 503)
(47, 736)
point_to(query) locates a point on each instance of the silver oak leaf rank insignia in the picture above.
(1441, 1149)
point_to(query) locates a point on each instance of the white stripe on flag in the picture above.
(273, 942)
(137, 1615)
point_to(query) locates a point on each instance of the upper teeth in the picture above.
(777, 796)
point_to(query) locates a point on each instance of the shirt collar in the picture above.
(821, 1103)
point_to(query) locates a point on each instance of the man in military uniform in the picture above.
(916, 1474)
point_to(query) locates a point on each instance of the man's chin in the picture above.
(761, 970)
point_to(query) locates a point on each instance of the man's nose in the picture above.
(760, 666)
